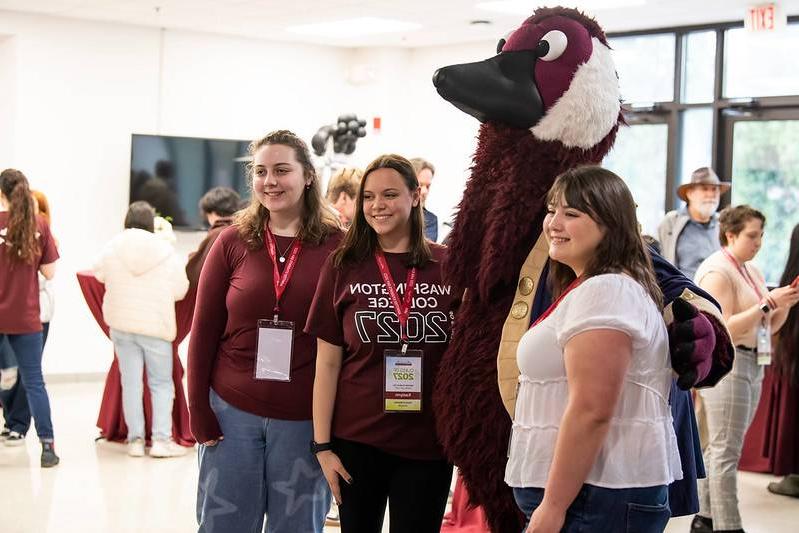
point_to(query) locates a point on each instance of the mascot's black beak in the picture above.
(500, 89)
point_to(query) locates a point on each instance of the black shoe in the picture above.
(49, 458)
(702, 524)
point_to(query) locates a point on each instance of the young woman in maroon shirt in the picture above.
(381, 314)
(250, 382)
(26, 247)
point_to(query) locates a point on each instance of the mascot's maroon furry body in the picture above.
(556, 106)
(488, 244)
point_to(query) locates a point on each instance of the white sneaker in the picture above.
(136, 448)
(167, 448)
(14, 439)
(8, 378)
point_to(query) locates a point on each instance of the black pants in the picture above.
(416, 491)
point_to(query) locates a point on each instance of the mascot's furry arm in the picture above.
(549, 101)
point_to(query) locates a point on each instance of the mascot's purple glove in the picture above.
(691, 341)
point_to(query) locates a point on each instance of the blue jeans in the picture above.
(135, 352)
(635, 510)
(28, 350)
(263, 466)
(16, 412)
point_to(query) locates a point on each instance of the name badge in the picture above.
(402, 390)
(764, 342)
(274, 350)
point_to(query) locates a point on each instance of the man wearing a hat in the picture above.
(689, 235)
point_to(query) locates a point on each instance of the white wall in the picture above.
(81, 88)
(8, 96)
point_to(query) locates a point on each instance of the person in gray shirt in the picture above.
(689, 235)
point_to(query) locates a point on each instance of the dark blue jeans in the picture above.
(637, 510)
(16, 412)
(28, 350)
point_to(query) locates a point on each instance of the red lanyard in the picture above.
(552, 307)
(743, 272)
(281, 282)
(402, 308)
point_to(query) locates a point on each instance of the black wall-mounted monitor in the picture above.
(172, 173)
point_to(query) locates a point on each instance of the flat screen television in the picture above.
(172, 173)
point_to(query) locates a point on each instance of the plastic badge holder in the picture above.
(275, 347)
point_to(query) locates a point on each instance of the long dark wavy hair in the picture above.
(786, 356)
(21, 231)
(317, 221)
(361, 241)
(604, 197)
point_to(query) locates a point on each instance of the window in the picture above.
(696, 142)
(639, 158)
(765, 175)
(646, 67)
(699, 56)
(761, 63)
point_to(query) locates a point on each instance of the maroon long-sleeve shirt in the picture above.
(235, 291)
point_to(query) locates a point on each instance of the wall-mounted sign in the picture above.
(764, 17)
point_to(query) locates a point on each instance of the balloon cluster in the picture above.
(344, 135)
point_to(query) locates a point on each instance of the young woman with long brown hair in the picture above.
(26, 248)
(251, 367)
(593, 446)
(382, 318)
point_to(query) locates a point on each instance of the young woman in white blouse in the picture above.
(593, 446)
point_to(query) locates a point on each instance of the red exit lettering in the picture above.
(762, 18)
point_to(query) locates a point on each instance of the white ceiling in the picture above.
(442, 21)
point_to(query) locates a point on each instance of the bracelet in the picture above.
(771, 303)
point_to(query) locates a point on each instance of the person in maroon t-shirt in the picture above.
(380, 342)
(250, 382)
(26, 247)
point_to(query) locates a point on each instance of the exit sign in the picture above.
(764, 17)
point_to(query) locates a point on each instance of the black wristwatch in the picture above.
(765, 308)
(317, 447)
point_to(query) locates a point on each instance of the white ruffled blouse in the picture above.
(640, 449)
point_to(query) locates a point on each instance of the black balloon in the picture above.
(344, 134)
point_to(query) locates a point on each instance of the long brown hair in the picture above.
(361, 240)
(317, 221)
(786, 355)
(604, 197)
(21, 233)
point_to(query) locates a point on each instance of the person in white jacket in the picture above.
(143, 279)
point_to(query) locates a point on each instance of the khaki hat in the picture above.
(703, 176)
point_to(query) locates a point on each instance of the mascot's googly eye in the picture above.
(500, 45)
(552, 45)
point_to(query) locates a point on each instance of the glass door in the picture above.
(640, 157)
(762, 160)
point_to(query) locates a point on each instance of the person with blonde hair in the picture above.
(342, 191)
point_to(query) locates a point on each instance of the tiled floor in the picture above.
(98, 488)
